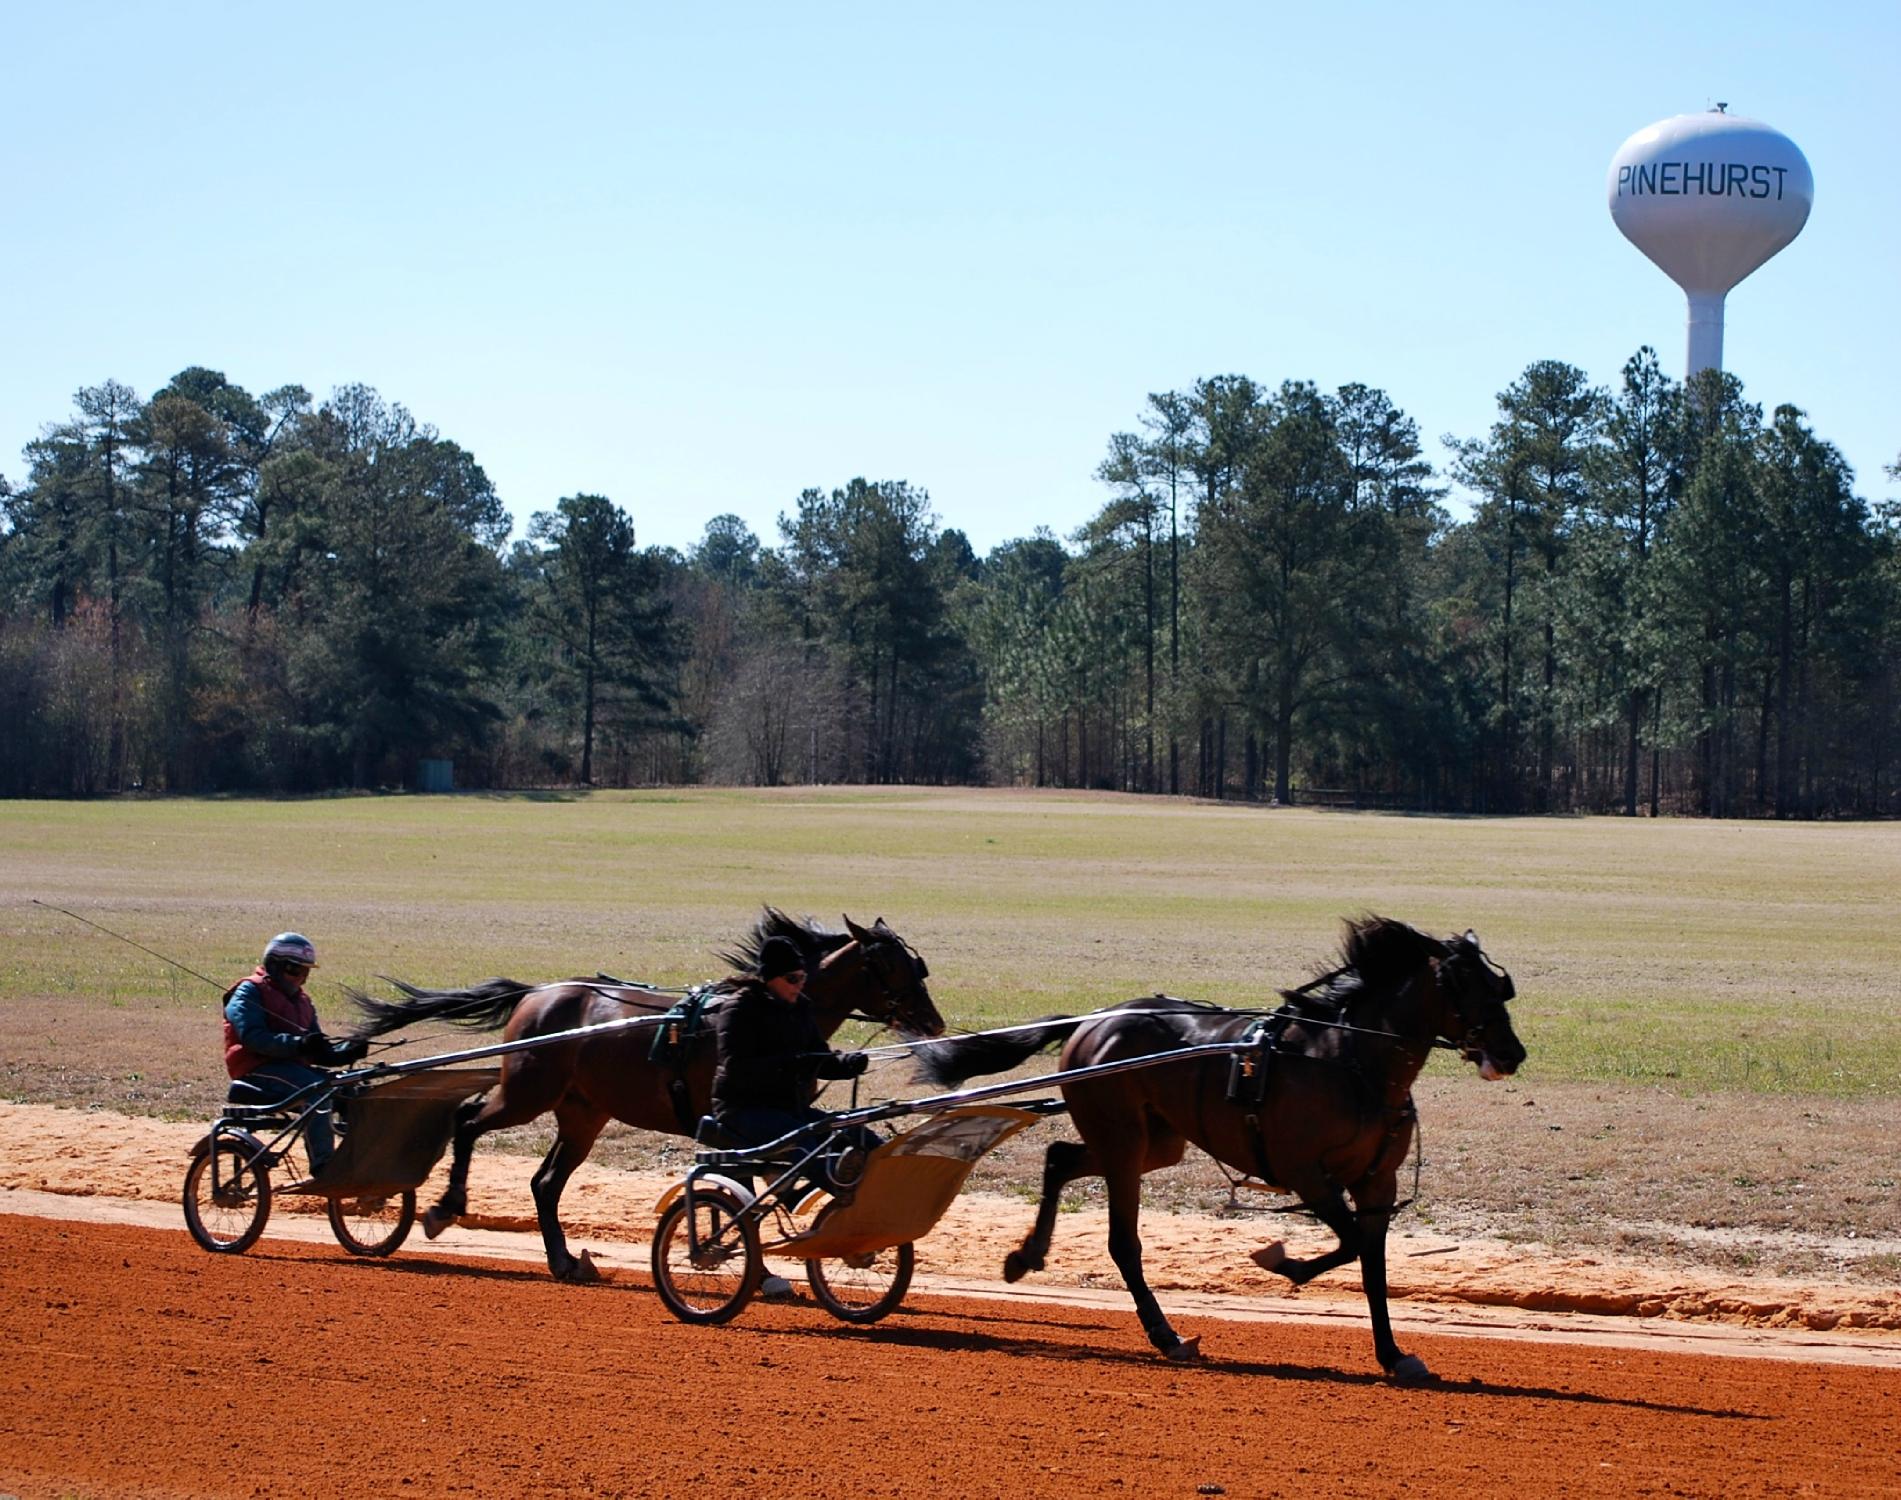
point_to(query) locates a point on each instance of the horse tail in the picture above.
(481, 1007)
(949, 1063)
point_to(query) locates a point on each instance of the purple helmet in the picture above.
(292, 947)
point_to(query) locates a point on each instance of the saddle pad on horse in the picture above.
(683, 1025)
(910, 1181)
(397, 1131)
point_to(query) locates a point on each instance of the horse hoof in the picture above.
(1186, 1351)
(776, 1289)
(580, 1271)
(1270, 1257)
(1411, 1370)
(434, 1222)
(1016, 1265)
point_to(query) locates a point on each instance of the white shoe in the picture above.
(775, 1289)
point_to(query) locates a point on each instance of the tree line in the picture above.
(1657, 599)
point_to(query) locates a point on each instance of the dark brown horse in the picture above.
(1330, 1118)
(870, 973)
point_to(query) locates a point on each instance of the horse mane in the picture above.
(812, 940)
(1377, 954)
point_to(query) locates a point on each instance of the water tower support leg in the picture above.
(1706, 334)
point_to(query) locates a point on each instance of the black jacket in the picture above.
(770, 1053)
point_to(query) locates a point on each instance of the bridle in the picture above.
(1469, 1045)
(896, 1002)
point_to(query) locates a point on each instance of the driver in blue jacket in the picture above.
(273, 1046)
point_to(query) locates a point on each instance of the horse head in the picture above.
(1473, 992)
(897, 994)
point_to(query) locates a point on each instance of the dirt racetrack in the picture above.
(138, 1365)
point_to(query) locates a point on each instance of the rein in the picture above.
(604, 985)
(1187, 1008)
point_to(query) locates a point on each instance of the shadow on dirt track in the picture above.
(951, 1343)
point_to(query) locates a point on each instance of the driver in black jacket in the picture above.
(770, 1050)
(770, 1054)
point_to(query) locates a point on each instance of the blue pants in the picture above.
(757, 1125)
(277, 1081)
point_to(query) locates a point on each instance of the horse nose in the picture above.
(928, 1019)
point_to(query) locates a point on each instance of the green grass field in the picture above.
(1706, 956)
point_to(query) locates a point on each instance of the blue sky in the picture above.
(698, 258)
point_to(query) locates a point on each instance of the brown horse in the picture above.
(1331, 1115)
(870, 973)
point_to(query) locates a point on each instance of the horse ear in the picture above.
(856, 931)
(1471, 938)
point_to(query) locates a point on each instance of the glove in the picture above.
(347, 1050)
(843, 1065)
(314, 1047)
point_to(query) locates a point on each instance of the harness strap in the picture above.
(1402, 1116)
(1257, 1138)
(1247, 1071)
(673, 1046)
(680, 1096)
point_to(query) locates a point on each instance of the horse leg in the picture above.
(577, 1131)
(1327, 1204)
(1362, 1237)
(522, 1095)
(1125, 1249)
(454, 1201)
(1063, 1163)
(1407, 1369)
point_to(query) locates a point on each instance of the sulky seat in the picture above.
(246, 1103)
(714, 1135)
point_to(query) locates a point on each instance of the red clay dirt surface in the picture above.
(138, 1365)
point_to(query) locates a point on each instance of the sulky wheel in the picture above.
(860, 1288)
(373, 1225)
(712, 1284)
(227, 1198)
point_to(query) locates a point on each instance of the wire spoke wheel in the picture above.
(227, 1198)
(373, 1225)
(860, 1288)
(706, 1271)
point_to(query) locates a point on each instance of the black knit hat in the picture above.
(778, 956)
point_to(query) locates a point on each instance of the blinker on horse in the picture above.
(869, 972)
(1331, 1121)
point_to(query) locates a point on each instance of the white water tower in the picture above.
(1709, 198)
